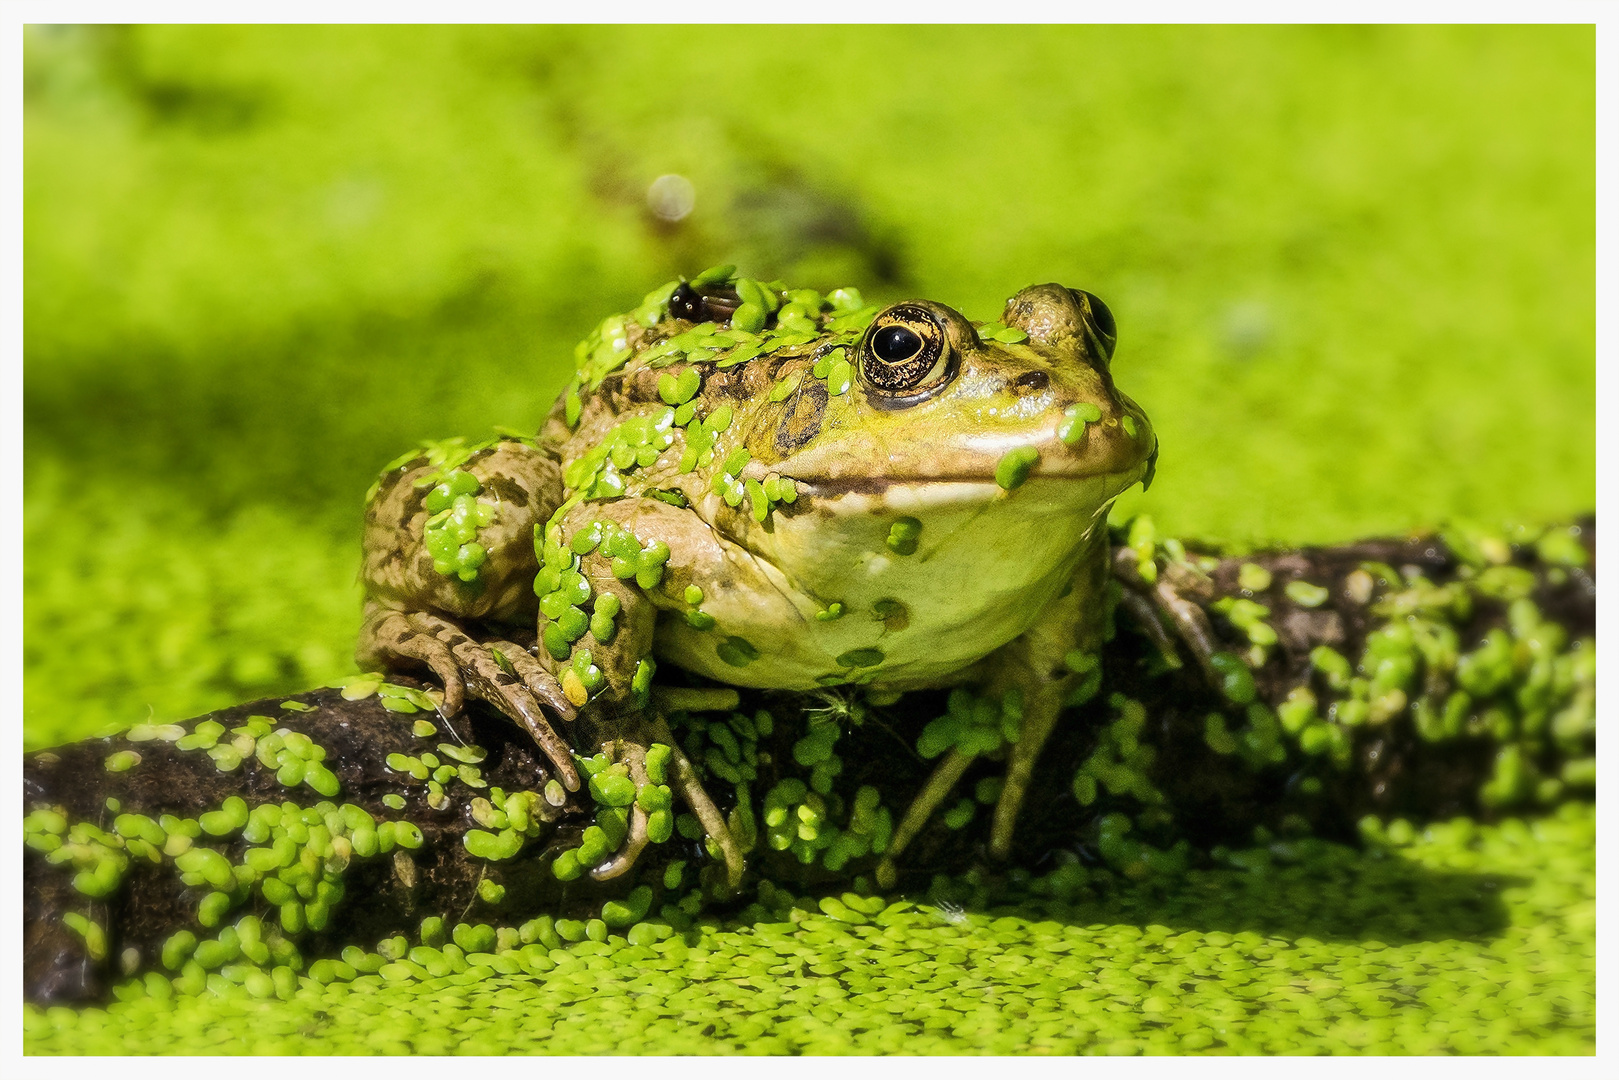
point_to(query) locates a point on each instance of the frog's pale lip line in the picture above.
(877, 485)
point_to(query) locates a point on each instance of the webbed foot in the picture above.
(496, 671)
(1168, 594)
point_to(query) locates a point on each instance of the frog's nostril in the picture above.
(1035, 381)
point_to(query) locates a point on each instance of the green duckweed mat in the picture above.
(1466, 940)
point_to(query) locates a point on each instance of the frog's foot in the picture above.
(496, 671)
(684, 781)
(1169, 594)
(934, 792)
(633, 756)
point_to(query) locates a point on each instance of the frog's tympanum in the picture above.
(772, 488)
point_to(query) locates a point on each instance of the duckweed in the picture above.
(1304, 594)
(972, 725)
(1015, 466)
(1335, 952)
(903, 536)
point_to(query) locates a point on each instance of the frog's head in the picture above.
(1027, 409)
(960, 478)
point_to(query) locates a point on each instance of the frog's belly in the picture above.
(984, 569)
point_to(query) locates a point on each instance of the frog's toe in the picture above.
(636, 839)
(634, 842)
(1007, 806)
(1175, 594)
(934, 792)
(689, 786)
(387, 638)
(496, 671)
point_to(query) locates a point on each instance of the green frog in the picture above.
(771, 488)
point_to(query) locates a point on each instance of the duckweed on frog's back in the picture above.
(771, 488)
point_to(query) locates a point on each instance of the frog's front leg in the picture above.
(1046, 665)
(449, 551)
(607, 669)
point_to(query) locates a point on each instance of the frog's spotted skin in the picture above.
(774, 488)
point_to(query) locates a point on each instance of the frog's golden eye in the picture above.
(906, 356)
(1098, 321)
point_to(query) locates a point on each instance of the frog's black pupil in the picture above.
(895, 344)
(1102, 316)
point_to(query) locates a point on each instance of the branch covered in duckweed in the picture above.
(1246, 708)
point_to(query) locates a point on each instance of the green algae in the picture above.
(1462, 938)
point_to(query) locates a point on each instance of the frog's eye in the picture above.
(1098, 320)
(906, 355)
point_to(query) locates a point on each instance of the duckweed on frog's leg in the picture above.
(617, 713)
(448, 550)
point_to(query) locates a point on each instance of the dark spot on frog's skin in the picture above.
(802, 420)
(727, 384)
(404, 637)
(505, 679)
(508, 490)
(790, 510)
(893, 614)
(424, 567)
(1035, 380)
(636, 389)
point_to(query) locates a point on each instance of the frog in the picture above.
(780, 489)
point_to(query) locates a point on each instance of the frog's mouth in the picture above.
(909, 494)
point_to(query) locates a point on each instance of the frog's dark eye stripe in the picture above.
(906, 356)
(1098, 321)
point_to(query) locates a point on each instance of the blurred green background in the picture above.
(1353, 270)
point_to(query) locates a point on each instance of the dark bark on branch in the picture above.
(1392, 771)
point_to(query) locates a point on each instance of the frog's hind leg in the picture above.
(518, 687)
(419, 604)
